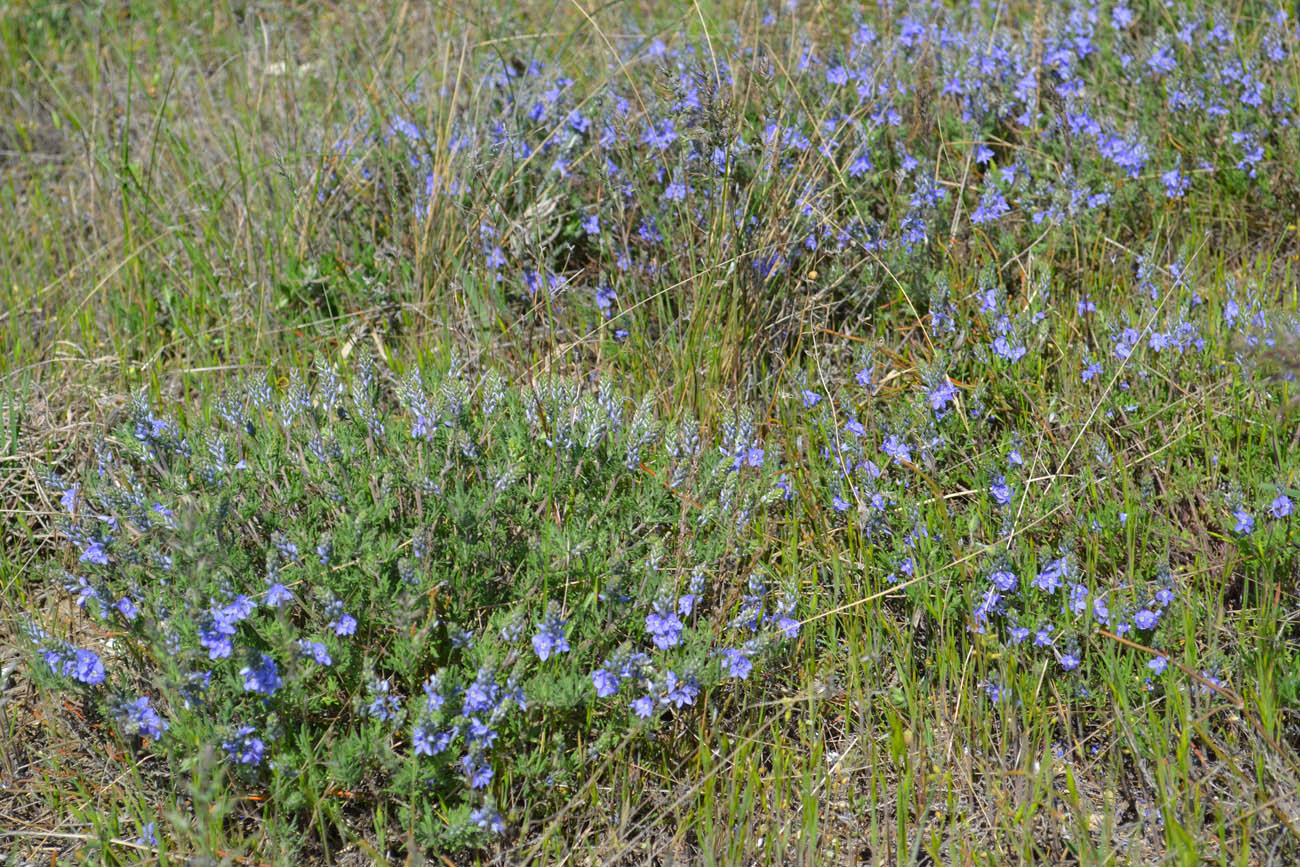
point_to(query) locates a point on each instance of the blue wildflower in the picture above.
(261, 677)
(245, 748)
(606, 683)
(1281, 507)
(488, 820)
(479, 774)
(550, 639)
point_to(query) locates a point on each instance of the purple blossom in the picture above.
(139, 717)
(643, 706)
(1049, 579)
(679, 692)
(1175, 182)
(1281, 507)
(127, 608)
(992, 206)
(478, 773)
(606, 683)
(277, 594)
(341, 623)
(1245, 522)
(261, 677)
(896, 449)
(426, 740)
(941, 395)
(1003, 349)
(482, 695)
(488, 820)
(314, 650)
(245, 748)
(550, 639)
(738, 663)
(1001, 491)
(664, 627)
(94, 553)
(675, 192)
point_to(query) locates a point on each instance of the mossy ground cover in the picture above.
(734, 433)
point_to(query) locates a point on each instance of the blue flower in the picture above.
(94, 553)
(245, 748)
(680, 692)
(738, 663)
(992, 205)
(1146, 619)
(277, 594)
(262, 677)
(433, 698)
(1069, 661)
(1281, 507)
(488, 819)
(82, 665)
(644, 706)
(1158, 665)
(1004, 580)
(788, 626)
(479, 733)
(314, 650)
(1001, 491)
(1049, 580)
(426, 740)
(127, 608)
(606, 683)
(147, 837)
(483, 695)
(140, 717)
(664, 627)
(896, 449)
(479, 775)
(550, 639)
(941, 395)
(1003, 349)
(1245, 522)
(1175, 182)
(341, 623)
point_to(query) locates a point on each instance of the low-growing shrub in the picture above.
(459, 601)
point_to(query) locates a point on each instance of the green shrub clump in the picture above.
(449, 590)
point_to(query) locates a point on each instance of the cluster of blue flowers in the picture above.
(1043, 146)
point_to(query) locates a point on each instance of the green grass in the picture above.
(161, 232)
